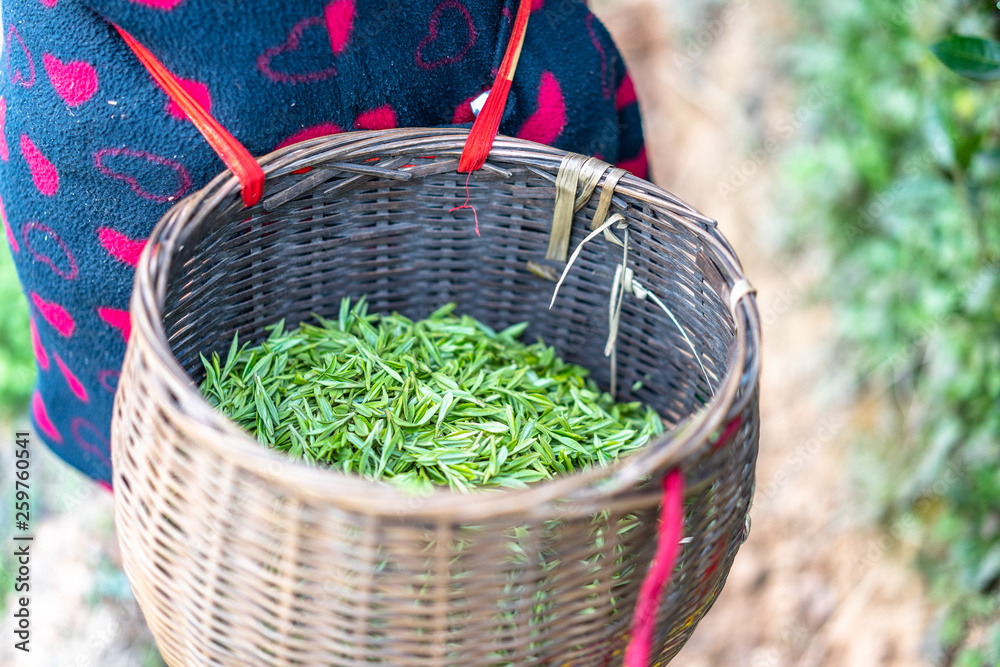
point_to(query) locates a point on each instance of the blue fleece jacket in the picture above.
(93, 152)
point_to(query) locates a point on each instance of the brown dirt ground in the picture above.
(814, 585)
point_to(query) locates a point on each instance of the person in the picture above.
(93, 152)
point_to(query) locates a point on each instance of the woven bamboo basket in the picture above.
(240, 556)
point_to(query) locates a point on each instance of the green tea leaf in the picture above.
(440, 401)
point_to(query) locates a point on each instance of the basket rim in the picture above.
(576, 493)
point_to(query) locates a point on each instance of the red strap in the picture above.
(655, 583)
(484, 130)
(232, 152)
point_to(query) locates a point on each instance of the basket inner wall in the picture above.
(399, 244)
(252, 568)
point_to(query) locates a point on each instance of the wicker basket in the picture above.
(239, 556)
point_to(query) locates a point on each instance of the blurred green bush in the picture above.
(898, 178)
(17, 376)
(17, 364)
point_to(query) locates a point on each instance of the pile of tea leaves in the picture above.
(443, 401)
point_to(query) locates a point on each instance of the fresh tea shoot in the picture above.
(443, 401)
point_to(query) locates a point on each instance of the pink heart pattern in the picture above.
(4, 148)
(119, 319)
(198, 91)
(81, 427)
(463, 112)
(607, 80)
(75, 385)
(43, 173)
(120, 246)
(291, 44)
(109, 379)
(55, 315)
(380, 118)
(434, 28)
(163, 5)
(339, 16)
(626, 93)
(41, 356)
(638, 165)
(41, 416)
(74, 81)
(143, 163)
(11, 239)
(16, 75)
(549, 120)
(311, 132)
(35, 233)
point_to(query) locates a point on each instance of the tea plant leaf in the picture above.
(971, 57)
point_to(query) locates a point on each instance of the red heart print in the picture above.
(433, 31)
(339, 16)
(537, 4)
(50, 3)
(607, 74)
(11, 239)
(109, 379)
(74, 81)
(165, 5)
(43, 173)
(120, 246)
(291, 45)
(311, 132)
(463, 112)
(198, 91)
(37, 234)
(41, 356)
(143, 163)
(626, 93)
(4, 149)
(17, 76)
(638, 165)
(549, 120)
(75, 385)
(41, 416)
(119, 319)
(81, 427)
(380, 118)
(55, 315)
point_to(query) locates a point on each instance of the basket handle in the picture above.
(484, 129)
(231, 151)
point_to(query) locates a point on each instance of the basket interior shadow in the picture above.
(236, 561)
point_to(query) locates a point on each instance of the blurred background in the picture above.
(851, 151)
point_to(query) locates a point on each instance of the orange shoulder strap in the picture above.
(484, 129)
(250, 174)
(232, 152)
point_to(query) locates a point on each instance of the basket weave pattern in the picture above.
(239, 556)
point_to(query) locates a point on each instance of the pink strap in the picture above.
(655, 583)
(232, 152)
